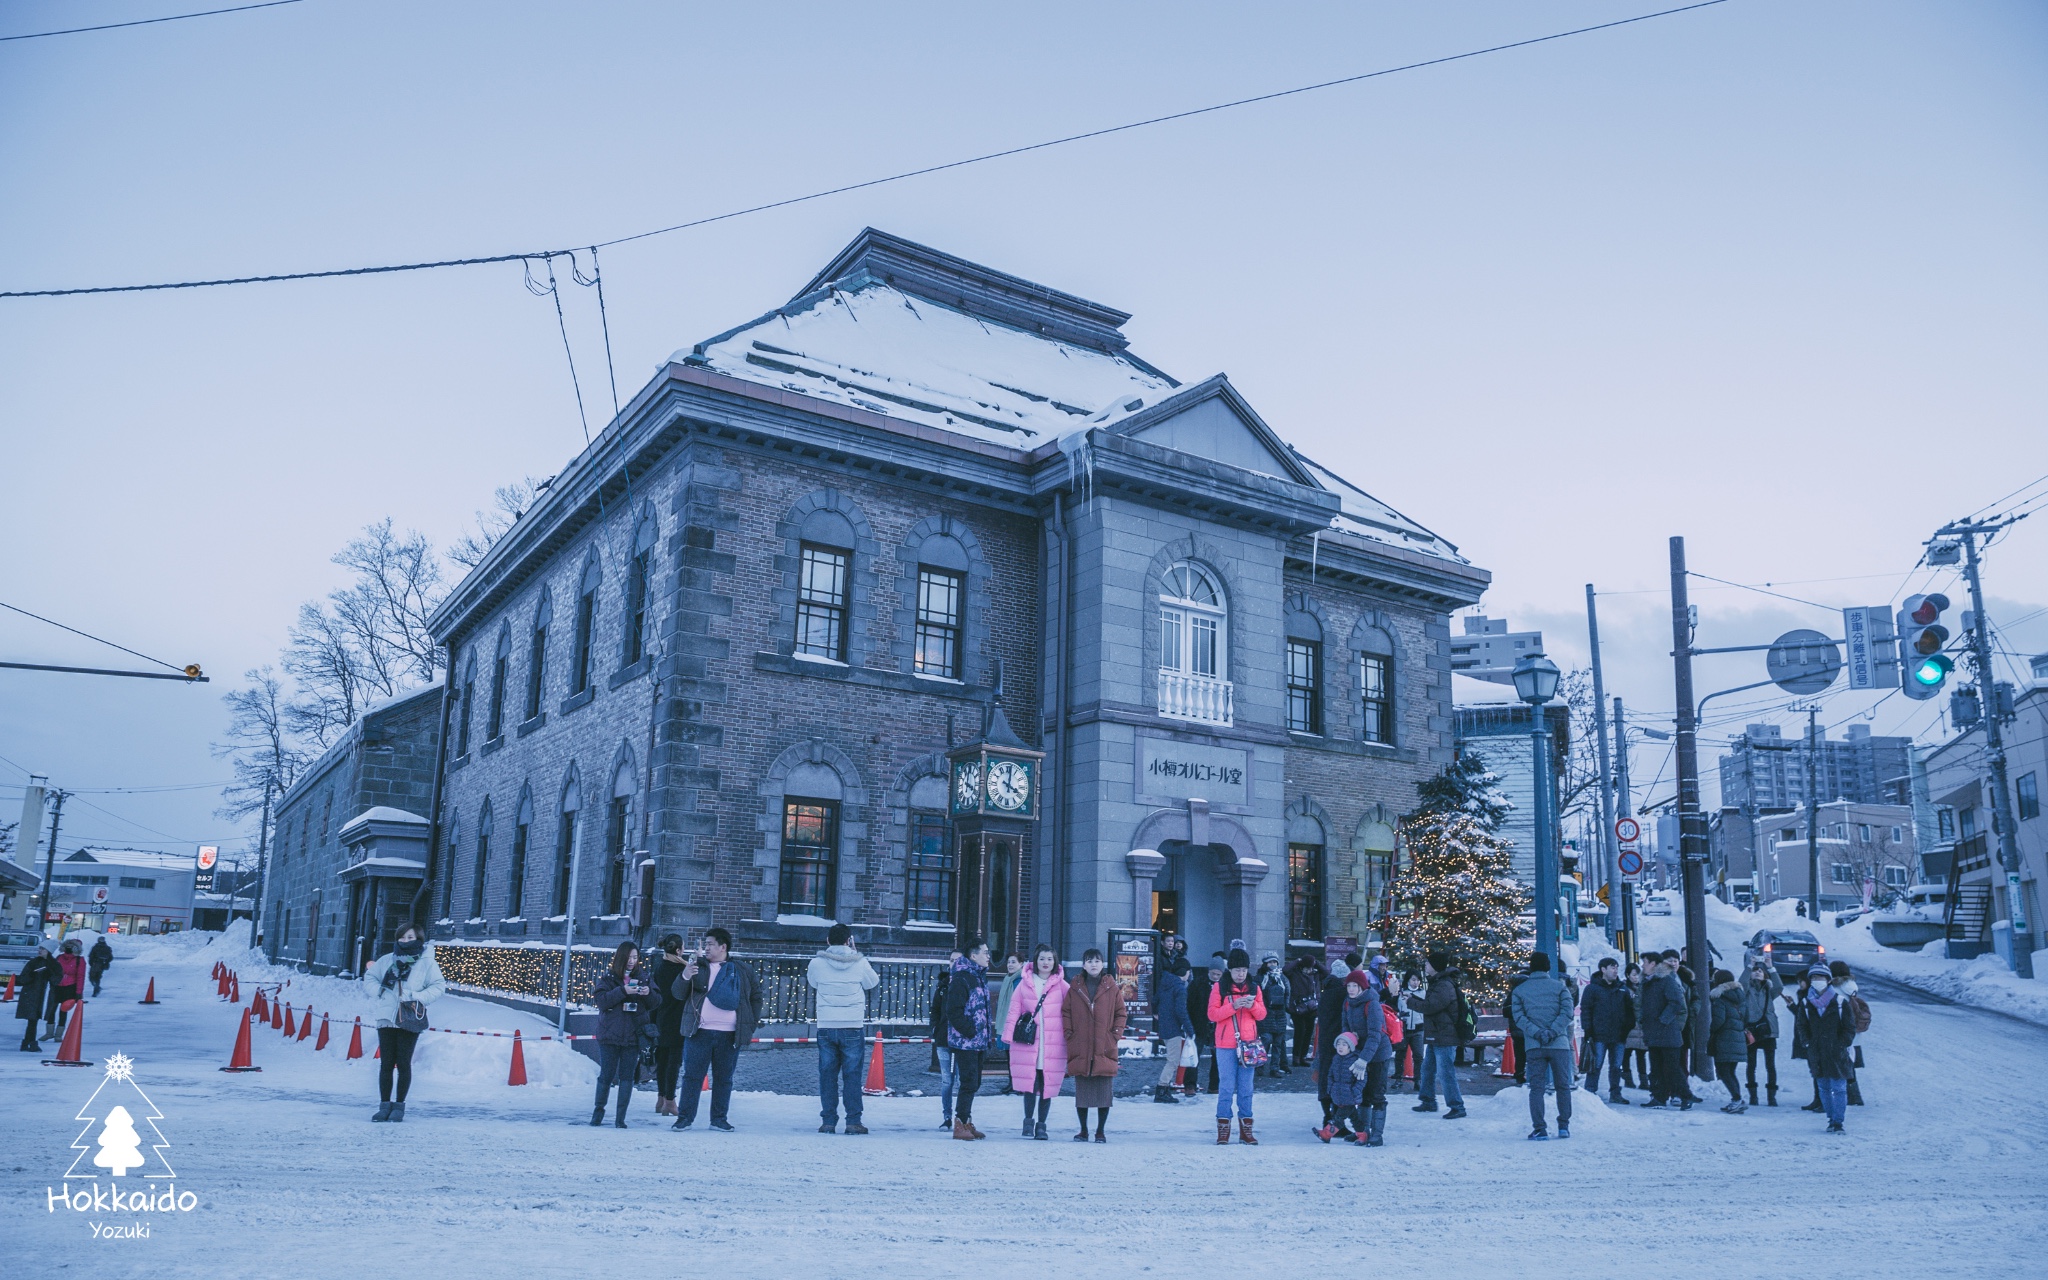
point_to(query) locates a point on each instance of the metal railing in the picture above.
(1189, 697)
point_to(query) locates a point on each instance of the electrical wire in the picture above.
(905, 175)
(147, 22)
(1694, 573)
(88, 635)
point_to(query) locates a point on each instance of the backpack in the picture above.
(1464, 1020)
(1392, 1017)
(1859, 1010)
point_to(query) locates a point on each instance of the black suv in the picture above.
(1791, 951)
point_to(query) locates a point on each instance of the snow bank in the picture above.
(1985, 982)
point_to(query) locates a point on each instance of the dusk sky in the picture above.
(1770, 275)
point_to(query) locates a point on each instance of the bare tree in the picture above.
(328, 677)
(260, 745)
(508, 504)
(398, 584)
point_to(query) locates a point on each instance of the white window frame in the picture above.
(1193, 632)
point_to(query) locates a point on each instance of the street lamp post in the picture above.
(1536, 679)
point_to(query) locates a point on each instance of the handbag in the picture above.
(412, 1015)
(1026, 1030)
(1251, 1051)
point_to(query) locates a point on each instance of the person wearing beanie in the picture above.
(1273, 1027)
(1824, 1016)
(1346, 1089)
(1542, 1006)
(1365, 1020)
(1728, 1036)
(1329, 1023)
(1176, 1031)
(1440, 1007)
(1235, 1008)
(1859, 1011)
(1304, 985)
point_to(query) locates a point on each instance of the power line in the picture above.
(907, 174)
(88, 635)
(147, 22)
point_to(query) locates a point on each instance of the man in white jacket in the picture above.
(842, 977)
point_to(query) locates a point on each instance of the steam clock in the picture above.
(995, 804)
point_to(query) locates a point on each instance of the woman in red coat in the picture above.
(1235, 1007)
(70, 982)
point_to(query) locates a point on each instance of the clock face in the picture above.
(967, 785)
(1009, 785)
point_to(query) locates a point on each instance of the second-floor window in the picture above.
(929, 893)
(500, 665)
(636, 608)
(1304, 686)
(2029, 794)
(1376, 697)
(939, 595)
(586, 624)
(821, 602)
(1191, 623)
(537, 659)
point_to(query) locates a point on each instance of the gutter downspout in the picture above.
(1059, 728)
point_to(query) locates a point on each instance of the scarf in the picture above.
(400, 970)
(1821, 998)
(725, 988)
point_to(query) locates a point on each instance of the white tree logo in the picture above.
(121, 1146)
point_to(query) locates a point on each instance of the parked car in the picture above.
(1790, 951)
(18, 948)
(1656, 905)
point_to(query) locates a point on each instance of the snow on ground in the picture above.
(291, 1179)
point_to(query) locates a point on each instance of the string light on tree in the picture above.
(1459, 888)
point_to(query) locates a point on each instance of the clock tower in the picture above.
(995, 803)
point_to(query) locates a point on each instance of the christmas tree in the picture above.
(120, 1145)
(1458, 892)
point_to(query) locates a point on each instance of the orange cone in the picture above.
(377, 1052)
(241, 1060)
(220, 983)
(707, 1081)
(1408, 1067)
(518, 1075)
(276, 1014)
(149, 996)
(306, 1025)
(355, 1042)
(321, 1043)
(74, 1039)
(9, 997)
(1507, 1058)
(878, 1084)
(258, 1008)
(234, 988)
(291, 1028)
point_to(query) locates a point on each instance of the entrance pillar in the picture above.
(1145, 866)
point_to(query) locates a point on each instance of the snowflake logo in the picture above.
(120, 1066)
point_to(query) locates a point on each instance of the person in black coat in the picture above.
(1199, 983)
(668, 1018)
(626, 1002)
(1830, 1028)
(96, 962)
(1606, 1014)
(38, 978)
(1329, 1025)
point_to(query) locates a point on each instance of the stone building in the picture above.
(325, 904)
(749, 643)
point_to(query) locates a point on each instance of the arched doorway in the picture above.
(1196, 875)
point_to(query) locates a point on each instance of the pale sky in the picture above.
(1771, 275)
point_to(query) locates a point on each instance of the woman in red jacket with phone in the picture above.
(1236, 1007)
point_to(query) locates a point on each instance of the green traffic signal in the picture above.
(1933, 670)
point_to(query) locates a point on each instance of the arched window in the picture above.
(810, 841)
(522, 830)
(639, 572)
(483, 862)
(537, 655)
(586, 626)
(1375, 685)
(928, 856)
(1304, 673)
(618, 828)
(565, 845)
(1305, 878)
(449, 850)
(1193, 644)
(1376, 847)
(824, 593)
(465, 703)
(941, 607)
(494, 727)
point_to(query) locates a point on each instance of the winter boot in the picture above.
(1752, 1095)
(1771, 1092)
(961, 1132)
(1244, 1132)
(1039, 1134)
(383, 1112)
(1427, 1104)
(1616, 1097)
(619, 1120)
(1376, 1134)
(597, 1116)
(1029, 1125)
(397, 1112)
(1223, 1133)
(1455, 1113)
(1325, 1133)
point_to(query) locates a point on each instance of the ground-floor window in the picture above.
(1304, 891)
(810, 861)
(929, 891)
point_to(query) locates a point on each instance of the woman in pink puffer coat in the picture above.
(1036, 1069)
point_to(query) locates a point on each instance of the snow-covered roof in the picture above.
(1367, 517)
(383, 813)
(877, 348)
(138, 858)
(1469, 692)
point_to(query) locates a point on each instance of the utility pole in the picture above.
(1812, 816)
(1692, 836)
(1606, 804)
(2021, 934)
(1622, 896)
(50, 861)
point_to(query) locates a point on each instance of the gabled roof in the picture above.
(1231, 432)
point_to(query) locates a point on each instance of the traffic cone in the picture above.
(149, 996)
(220, 983)
(241, 1060)
(1408, 1067)
(291, 1028)
(1507, 1058)
(74, 1039)
(355, 1042)
(259, 1008)
(9, 997)
(377, 1052)
(276, 1015)
(306, 1025)
(877, 1085)
(518, 1075)
(321, 1043)
(234, 988)
(707, 1081)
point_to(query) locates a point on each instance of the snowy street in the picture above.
(292, 1179)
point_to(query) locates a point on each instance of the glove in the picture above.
(1359, 1071)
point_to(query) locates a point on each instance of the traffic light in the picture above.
(1921, 640)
